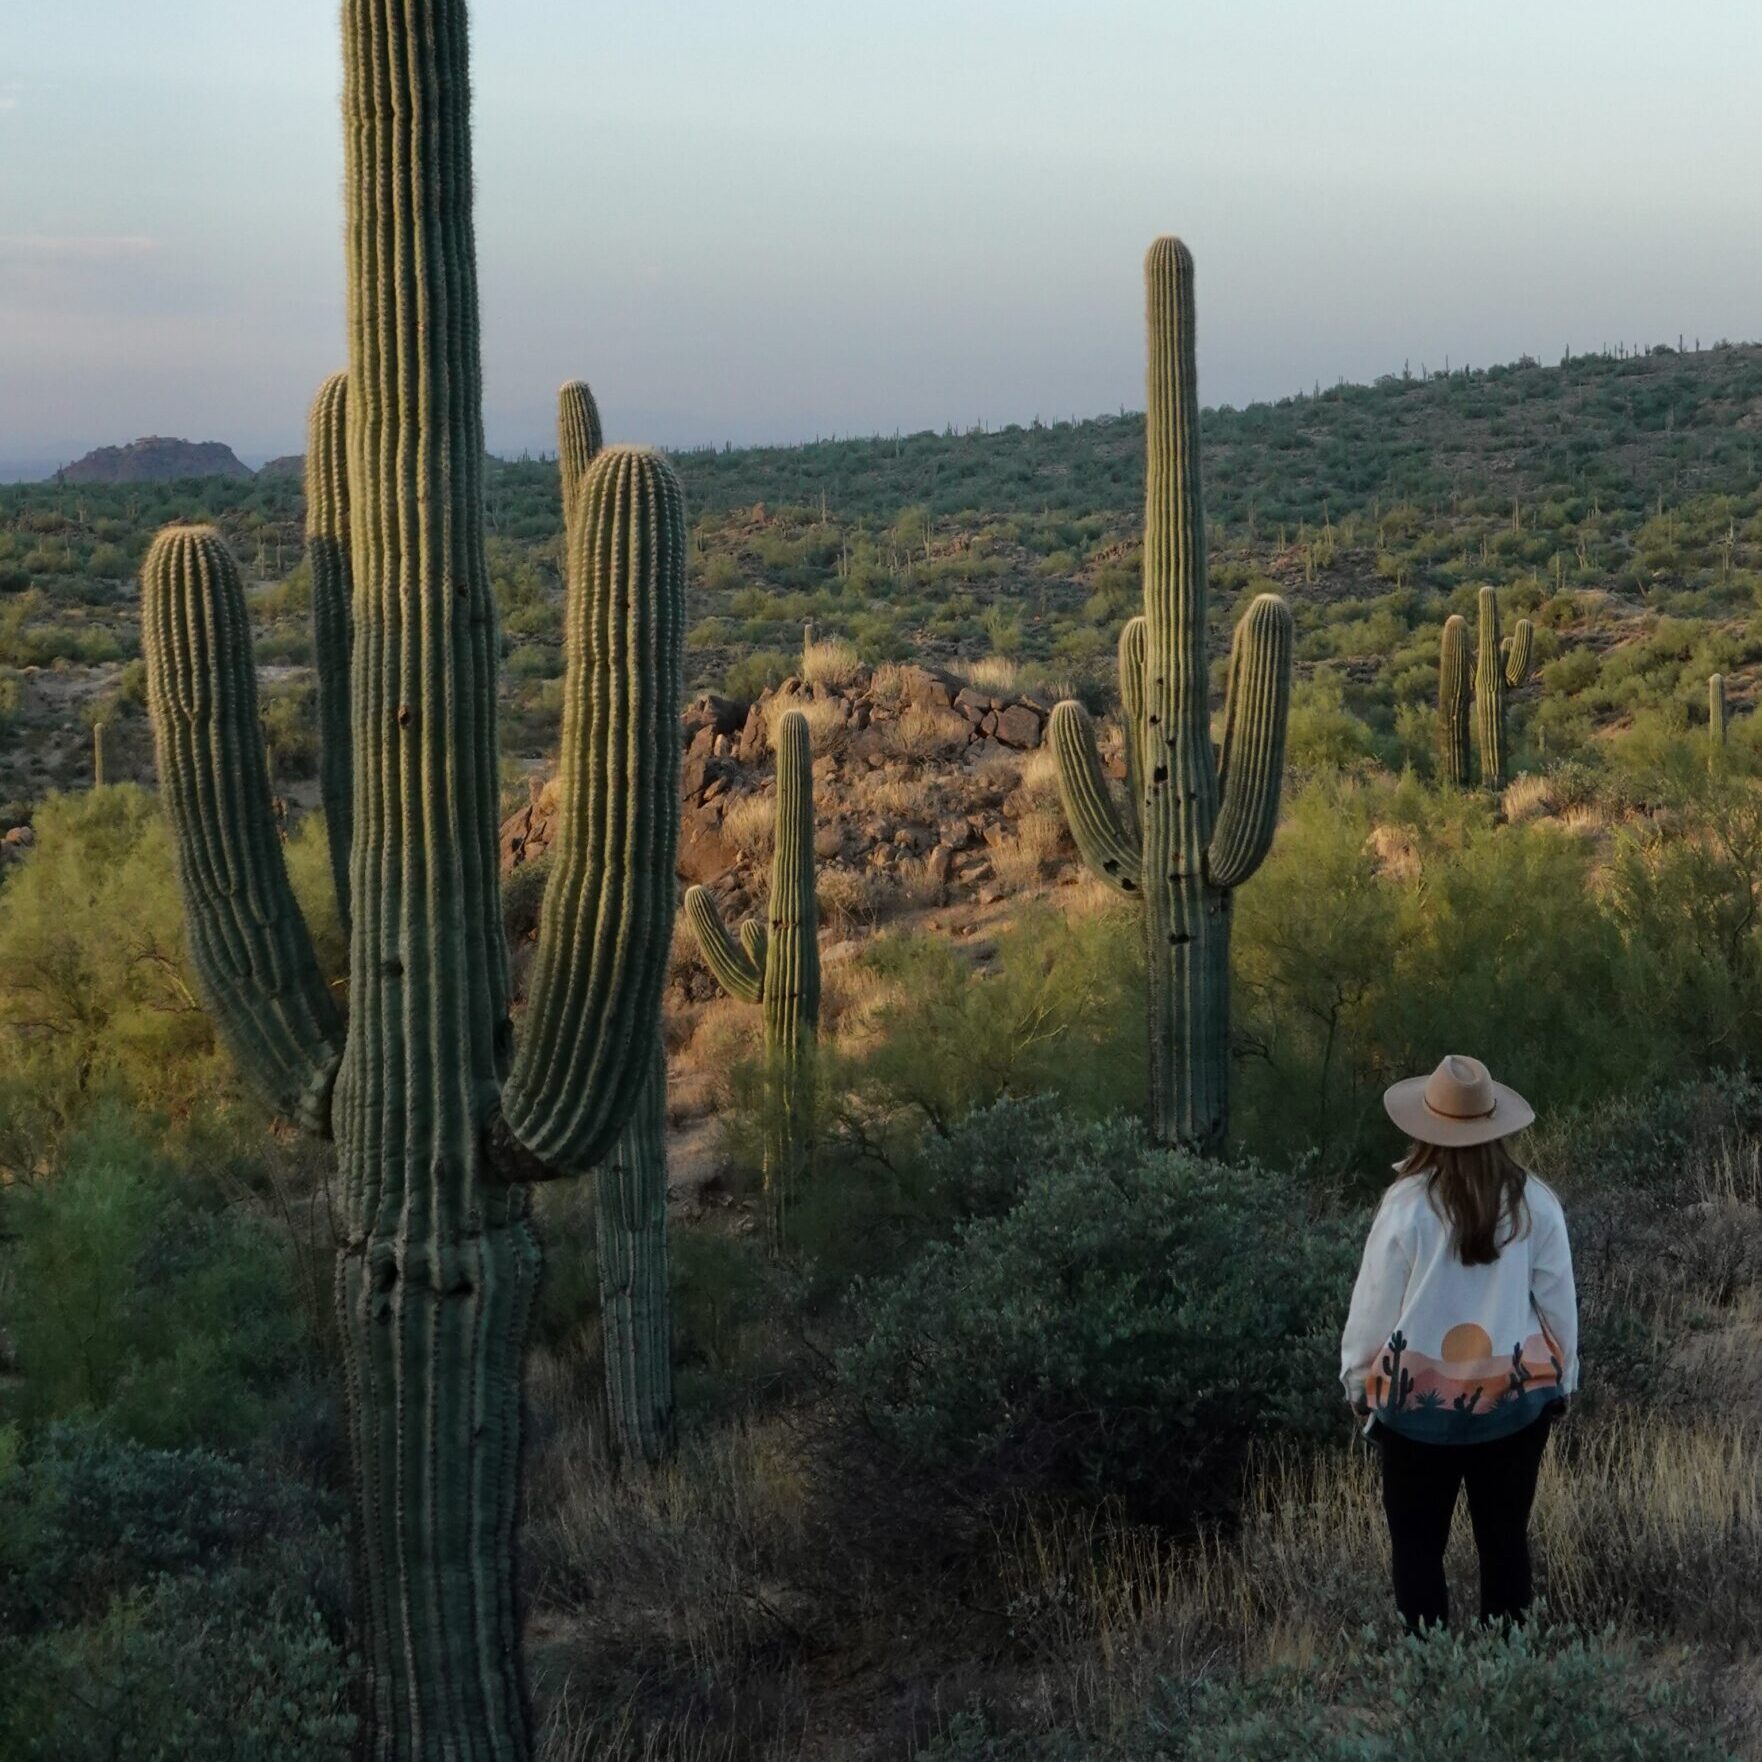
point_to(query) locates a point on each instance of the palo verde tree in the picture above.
(1200, 822)
(441, 1124)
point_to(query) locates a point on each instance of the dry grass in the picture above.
(896, 796)
(828, 729)
(831, 662)
(1021, 860)
(996, 674)
(1527, 798)
(851, 900)
(750, 824)
(1038, 780)
(924, 732)
(1643, 1523)
(887, 686)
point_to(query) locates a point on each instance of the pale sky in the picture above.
(774, 219)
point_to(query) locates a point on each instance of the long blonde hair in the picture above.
(1478, 1188)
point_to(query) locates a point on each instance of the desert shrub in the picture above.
(239, 1668)
(1550, 1692)
(1491, 1696)
(158, 1604)
(133, 1298)
(1055, 1013)
(1127, 1329)
(753, 675)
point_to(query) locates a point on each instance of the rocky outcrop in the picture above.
(914, 787)
(155, 459)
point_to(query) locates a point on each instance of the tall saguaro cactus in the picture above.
(777, 965)
(630, 1186)
(1499, 667)
(1455, 697)
(438, 1126)
(1717, 724)
(1202, 821)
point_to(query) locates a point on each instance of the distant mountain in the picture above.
(288, 465)
(155, 459)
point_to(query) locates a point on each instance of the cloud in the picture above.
(63, 248)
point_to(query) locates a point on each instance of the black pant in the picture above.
(1420, 1485)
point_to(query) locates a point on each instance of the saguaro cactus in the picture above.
(332, 615)
(333, 594)
(1499, 667)
(437, 1135)
(1455, 695)
(1202, 822)
(1717, 726)
(630, 1186)
(636, 1317)
(778, 966)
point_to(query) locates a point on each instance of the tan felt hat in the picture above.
(1458, 1104)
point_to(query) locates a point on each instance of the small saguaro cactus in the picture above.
(778, 965)
(1718, 728)
(440, 1121)
(97, 755)
(333, 594)
(1200, 822)
(1499, 667)
(1455, 697)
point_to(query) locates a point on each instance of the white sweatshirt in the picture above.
(1455, 1354)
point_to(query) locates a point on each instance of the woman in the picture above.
(1462, 1342)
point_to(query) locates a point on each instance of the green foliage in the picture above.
(1130, 1328)
(173, 1320)
(1054, 1012)
(1492, 1696)
(159, 1605)
(1552, 1693)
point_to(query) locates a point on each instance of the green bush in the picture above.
(1128, 1329)
(175, 1319)
(1484, 1697)
(164, 1605)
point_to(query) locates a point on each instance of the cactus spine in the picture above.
(1499, 667)
(1203, 820)
(333, 616)
(1455, 692)
(437, 1136)
(777, 965)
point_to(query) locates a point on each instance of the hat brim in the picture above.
(1406, 1105)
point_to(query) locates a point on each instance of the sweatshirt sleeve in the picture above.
(1555, 1296)
(1376, 1297)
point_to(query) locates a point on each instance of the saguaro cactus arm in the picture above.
(1520, 654)
(608, 910)
(1132, 652)
(579, 442)
(248, 942)
(733, 966)
(333, 593)
(1095, 823)
(1252, 765)
(1455, 700)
